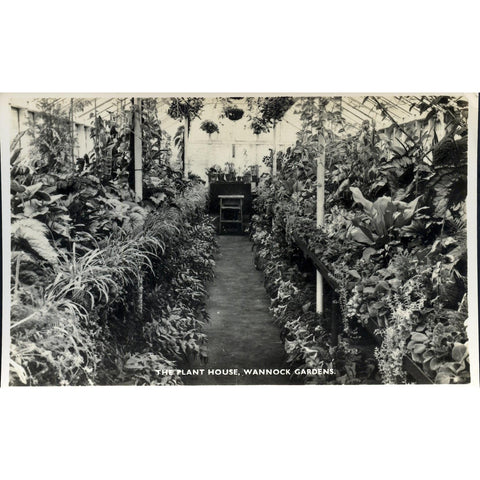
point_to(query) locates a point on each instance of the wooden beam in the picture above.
(372, 326)
(319, 265)
(408, 364)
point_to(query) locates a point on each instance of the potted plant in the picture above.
(213, 173)
(254, 171)
(230, 171)
(247, 175)
(233, 113)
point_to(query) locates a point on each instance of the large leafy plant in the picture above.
(384, 218)
(399, 259)
(80, 246)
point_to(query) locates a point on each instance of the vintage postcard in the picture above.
(239, 240)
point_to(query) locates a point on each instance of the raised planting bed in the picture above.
(372, 326)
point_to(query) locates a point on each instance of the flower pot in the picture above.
(230, 177)
(213, 177)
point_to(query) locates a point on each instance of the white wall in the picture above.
(235, 142)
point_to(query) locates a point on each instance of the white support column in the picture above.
(89, 143)
(23, 119)
(441, 126)
(81, 145)
(274, 155)
(23, 125)
(320, 208)
(431, 129)
(186, 127)
(138, 165)
(137, 151)
(72, 134)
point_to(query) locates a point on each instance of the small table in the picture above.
(232, 205)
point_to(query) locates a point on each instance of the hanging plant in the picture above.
(258, 126)
(270, 111)
(233, 113)
(273, 109)
(209, 127)
(185, 107)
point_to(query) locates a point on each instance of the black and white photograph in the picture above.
(239, 240)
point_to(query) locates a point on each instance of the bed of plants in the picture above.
(105, 290)
(307, 340)
(394, 238)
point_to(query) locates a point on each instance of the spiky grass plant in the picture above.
(50, 346)
(77, 312)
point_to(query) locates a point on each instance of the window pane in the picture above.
(14, 122)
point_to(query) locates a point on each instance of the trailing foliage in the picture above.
(189, 107)
(270, 110)
(307, 341)
(394, 235)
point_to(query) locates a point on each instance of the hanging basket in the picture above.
(185, 108)
(233, 113)
(273, 109)
(209, 127)
(258, 126)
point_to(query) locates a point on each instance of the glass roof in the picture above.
(355, 109)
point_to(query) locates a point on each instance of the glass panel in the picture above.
(14, 122)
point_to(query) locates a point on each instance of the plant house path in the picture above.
(240, 333)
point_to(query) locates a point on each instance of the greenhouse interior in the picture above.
(218, 240)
